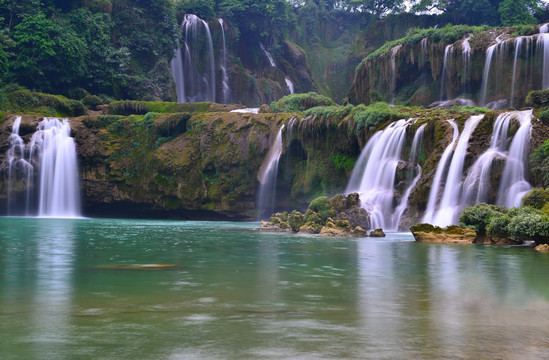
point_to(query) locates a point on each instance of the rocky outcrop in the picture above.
(428, 233)
(340, 216)
(543, 248)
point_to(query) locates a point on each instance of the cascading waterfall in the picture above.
(290, 85)
(51, 159)
(476, 188)
(450, 204)
(194, 72)
(518, 48)
(225, 89)
(267, 177)
(374, 175)
(513, 185)
(448, 52)
(437, 180)
(268, 55)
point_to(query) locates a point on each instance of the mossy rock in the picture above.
(296, 220)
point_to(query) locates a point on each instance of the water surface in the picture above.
(240, 294)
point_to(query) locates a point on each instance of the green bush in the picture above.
(544, 116)
(498, 226)
(92, 101)
(536, 199)
(371, 116)
(143, 107)
(538, 98)
(321, 206)
(478, 217)
(296, 220)
(524, 30)
(529, 224)
(344, 162)
(300, 102)
(330, 112)
(19, 99)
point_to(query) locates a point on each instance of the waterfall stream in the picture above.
(225, 88)
(290, 85)
(49, 161)
(267, 177)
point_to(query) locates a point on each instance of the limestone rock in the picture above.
(452, 234)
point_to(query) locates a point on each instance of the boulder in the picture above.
(452, 234)
(377, 233)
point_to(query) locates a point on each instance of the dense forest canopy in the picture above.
(121, 48)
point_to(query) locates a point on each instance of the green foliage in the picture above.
(92, 101)
(524, 30)
(544, 116)
(300, 102)
(498, 226)
(296, 220)
(478, 217)
(519, 12)
(143, 107)
(169, 126)
(371, 116)
(538, 98)
(529, 224)
(321, 206)
(536, 199)
(330, 112)
(539, 163)
(17, 99)
(344, 162)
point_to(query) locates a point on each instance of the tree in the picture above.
(377, 7)
(519, 12)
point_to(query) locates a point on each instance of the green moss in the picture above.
(300, 102)
(143, 107)
(538, 98)
(344, 162)
(25, 101)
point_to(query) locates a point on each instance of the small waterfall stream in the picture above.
(225, 88)
(448, 53)
(51, 163)
(267, 177)
(290, 85)
(268, 55)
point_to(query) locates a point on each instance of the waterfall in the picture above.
(513, 185)
(544, 29)
(267, 177)
(374, 174)
(543, 43)
(416, 148)
(450, 202)
(486, 73)
(518, 47)
(194, 72)
(437, 180)
(290, 85)
(225, 89)
(268, 55)
(448, 52)
(53, 153)
(394, 52)
(466, 60)
(19, 169)
(176, 66)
